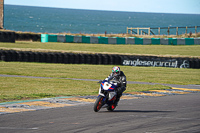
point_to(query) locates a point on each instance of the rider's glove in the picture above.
(115, 84)
(99, 81)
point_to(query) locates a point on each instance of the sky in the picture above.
(155, 6)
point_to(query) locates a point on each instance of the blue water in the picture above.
(58, 20)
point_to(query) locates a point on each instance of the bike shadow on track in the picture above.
(136, 111)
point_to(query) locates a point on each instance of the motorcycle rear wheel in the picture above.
(98, 104)
(111, 107)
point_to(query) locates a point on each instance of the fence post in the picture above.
(177, 31)
(186, 30)
(1, 14)
(131, 30)
(196, 30)
(158, 30)
(138, 31)
(168, 31)
(149, 31)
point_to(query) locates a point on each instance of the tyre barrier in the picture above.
(12, 36)
(27, 37)
(7, 36)
(98, 59)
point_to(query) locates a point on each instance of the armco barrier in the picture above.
(102, 59)
(119, 40)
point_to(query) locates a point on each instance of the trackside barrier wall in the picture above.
(103, 40)
(112, 40)
(102, 59)
(53, 38)
(147, 41)
(172, 41)
(196, 40)
(138, 40)
(119, 40)
(155, 40)
(130, 40)
(189, 41)
(164, 41)
(69, 38)
(7, 37)
(44, 38)
(181, 41)
(85, 39)
(28, 36)
(94, 39)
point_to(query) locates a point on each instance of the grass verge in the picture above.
(162, 50)
(84, 71)
(30, 88)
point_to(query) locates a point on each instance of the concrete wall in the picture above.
(118, 40)
(1, 13)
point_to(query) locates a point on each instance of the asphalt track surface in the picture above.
(171, 113)
(168, 114)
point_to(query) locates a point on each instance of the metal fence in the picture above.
(167, 30)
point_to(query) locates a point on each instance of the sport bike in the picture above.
(107, 96)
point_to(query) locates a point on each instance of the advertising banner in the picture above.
(156, 62)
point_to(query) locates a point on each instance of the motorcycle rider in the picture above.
(119, 78)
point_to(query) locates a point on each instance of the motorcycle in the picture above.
(107, 96)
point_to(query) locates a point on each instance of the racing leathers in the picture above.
(120, 80)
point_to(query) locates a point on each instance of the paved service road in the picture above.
(168, 114)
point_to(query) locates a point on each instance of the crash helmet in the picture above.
(116, 71)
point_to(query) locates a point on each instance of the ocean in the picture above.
(59, 20)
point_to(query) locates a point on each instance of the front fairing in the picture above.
(108, 86)
(107, 90)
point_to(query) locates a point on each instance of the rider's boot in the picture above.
(119, 94)
(118, 98)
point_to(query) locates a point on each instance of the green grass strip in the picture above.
(166, 50)
(18, 88)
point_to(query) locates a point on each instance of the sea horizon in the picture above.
(69, 20)
(103, 10)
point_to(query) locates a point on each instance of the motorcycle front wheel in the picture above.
(98, 104)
